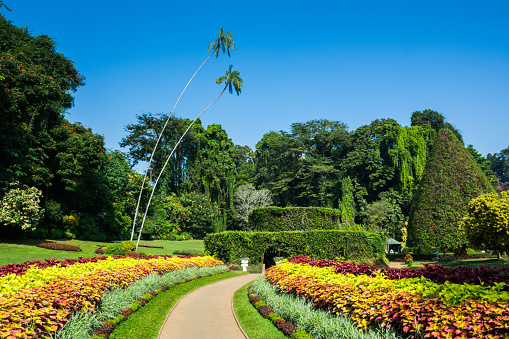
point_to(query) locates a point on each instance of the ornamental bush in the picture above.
(487, 222)
(274, 219)
(20, 207)
(450, 180)
(128, 245)
(114, 249)
(321, 244)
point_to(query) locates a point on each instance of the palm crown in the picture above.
(224, 42)
(231, 80)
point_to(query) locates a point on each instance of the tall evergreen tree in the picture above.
(450, 180)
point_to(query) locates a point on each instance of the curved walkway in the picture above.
(206, 312)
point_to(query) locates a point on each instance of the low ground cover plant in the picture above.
(417, 306)
(59, 246)
(40, 301)
(287, 328)
(318, 323)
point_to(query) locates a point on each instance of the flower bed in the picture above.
(20, 269)
(59, 247)
(436, 273)
(414, 305)
(40, 301)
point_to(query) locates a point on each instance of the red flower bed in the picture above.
(436, 273)
(59, 247)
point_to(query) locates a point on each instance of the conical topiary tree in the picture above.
(450, 180)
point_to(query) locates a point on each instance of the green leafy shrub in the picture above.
(300, 334)
(54, 214)
(69, 235)
(128, 245)
(321, 244)
(409, 260)
(487, 221)
(274, 219)
(20, 207)
(114, 249)
(56, 233)
(204, 215)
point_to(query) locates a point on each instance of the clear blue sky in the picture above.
(352, 61)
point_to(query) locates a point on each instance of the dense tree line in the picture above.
(371, 173)
(78, 188)
(41, 150)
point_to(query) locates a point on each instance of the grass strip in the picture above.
(251, 321)
(147, 321)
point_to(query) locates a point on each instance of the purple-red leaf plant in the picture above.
(384, 306)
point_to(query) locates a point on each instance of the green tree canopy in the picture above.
(500, 164)
(487, 222)
(37, 89)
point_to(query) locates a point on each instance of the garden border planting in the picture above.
(38, 311)
(107, 327)
(404, 304)
(231, 245)
(59, 247)
(287, 328)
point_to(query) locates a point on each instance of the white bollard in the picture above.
(244, 263)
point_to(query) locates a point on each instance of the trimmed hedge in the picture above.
(320, 244)
(275, 219)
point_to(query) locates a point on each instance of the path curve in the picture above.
(206, 312)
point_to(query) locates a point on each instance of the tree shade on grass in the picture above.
(450, 180)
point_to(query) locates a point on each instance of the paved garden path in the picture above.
(206, 312)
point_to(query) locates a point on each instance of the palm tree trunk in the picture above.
(167, 160)
(159, 139)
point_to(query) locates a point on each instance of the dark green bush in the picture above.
(321, 244)
(114, 249)
(451, 179)
(275, 219)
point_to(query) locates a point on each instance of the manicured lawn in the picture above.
(490, 262)
(20, 251)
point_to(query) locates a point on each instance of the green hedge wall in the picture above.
(274, 219)
(320, 244)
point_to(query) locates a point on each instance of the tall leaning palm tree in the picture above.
(232, 81)
(223, 43)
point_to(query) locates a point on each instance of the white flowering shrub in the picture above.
(20, 207)
(246, 199)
